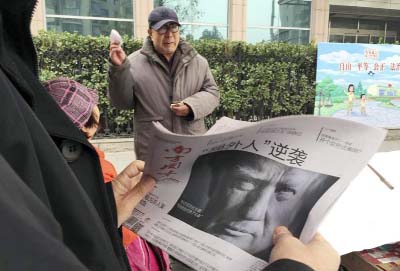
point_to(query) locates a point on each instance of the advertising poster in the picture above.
(359, 82)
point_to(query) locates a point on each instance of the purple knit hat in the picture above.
(76, 100)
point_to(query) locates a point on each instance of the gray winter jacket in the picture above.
(144, 82)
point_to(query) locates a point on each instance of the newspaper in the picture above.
(219, 196)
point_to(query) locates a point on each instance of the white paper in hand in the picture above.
(115, 37)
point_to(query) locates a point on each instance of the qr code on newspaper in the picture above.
(137, 227)
(134, 224)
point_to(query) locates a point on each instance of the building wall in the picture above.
(319, 21)
(38, 20)
(237, 16)
(206, 19)
(226, 19)
(380, 4)
(141, 25)
(87, 17)
(278, 20)
(364, 21)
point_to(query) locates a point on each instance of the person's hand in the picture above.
(130, 187)
(180, 109)
(318, 254)
(117, 54)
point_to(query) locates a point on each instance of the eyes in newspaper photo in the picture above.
(241, 197)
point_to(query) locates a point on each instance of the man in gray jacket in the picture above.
(166, 81)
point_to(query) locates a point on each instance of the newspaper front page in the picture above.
(219, 196)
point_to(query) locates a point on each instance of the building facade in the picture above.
(245, 20)
(364, 21)
(356, 21)
(294, 21)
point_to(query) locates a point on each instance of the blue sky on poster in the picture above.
(331, 55)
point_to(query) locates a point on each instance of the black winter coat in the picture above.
(41, 145)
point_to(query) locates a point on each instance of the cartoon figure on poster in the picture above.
(360, 82)
(363, 104)
(350, 98)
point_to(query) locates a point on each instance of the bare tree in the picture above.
(187, 12)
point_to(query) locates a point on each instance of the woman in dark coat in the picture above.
(41, 146)
(55, 218)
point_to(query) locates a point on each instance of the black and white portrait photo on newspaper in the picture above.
(241, 197)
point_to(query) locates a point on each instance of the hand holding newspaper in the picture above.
(219, 196)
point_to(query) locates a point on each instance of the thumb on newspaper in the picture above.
(129, 188)
(280, 232)
(128, 202)
(318, 254)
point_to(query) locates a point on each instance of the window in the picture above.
(363, 38)
(90, 17)
(372, 25)
(200, 19)
(349, 38)
(336, 38)
(344, 23)
(392, 32)
(390, 39)
(278, 20)
(272, 34)
(353, 30)
(203, 32)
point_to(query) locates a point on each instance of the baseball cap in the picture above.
(76, 100)
(161, 16)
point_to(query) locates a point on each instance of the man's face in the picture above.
(255, 201)
(165, 40)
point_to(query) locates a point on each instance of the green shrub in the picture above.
(255, 81)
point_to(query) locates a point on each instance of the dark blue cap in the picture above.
(161, 16)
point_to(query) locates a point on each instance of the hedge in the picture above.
(255, 81)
